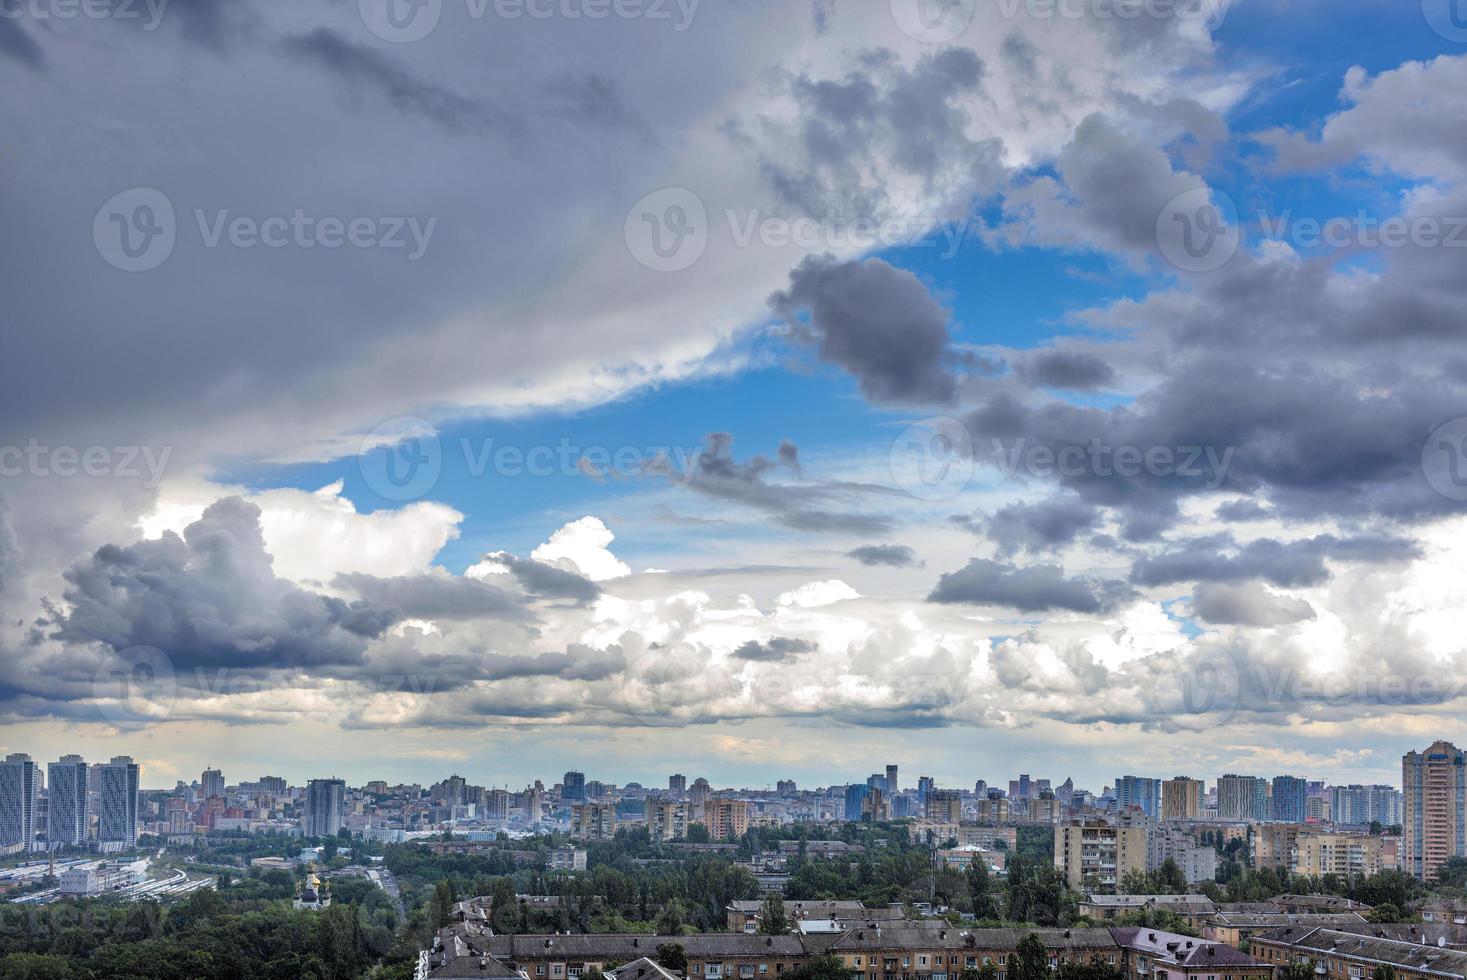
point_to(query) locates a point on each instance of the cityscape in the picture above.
(733, 489)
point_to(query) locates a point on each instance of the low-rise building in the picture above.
(565, 859)
(1151, 954)
(1338, 955)
(1193, 909)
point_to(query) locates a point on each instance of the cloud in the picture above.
(1037, 588)
(363, 68)
(803, 506)
(435, 596)
(1284, 564)
(893, 555)
(1248, 604)
(585, 546)
(211, 599)
(16, 43)
(546, 581)
(1043, 526)
(1070, 369)
(877, 322)
(778, 649)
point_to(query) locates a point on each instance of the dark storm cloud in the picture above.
(1284, 564)
(1037, 588)
(1044, 526)
(1248, 604)
(895, 555)
(364, 68)
(433, 597)
(210, 599)
(875, 321)
(547, 581)
(802, 506)
(1068, 369)
(9, 546)
(1241, 510)
(778, 649)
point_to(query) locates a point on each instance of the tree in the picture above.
(672, 956)
(698, 834)
(772, 920)
(1453, 872)
(980, 889)
(1383, 972)
(988, 972)
(670, 919)
(822, 967)
(1030, 961)
(1301, 969)
(1385, 913)
(1135, 882)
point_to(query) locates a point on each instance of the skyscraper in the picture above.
(1180, 797)
(67, 801)
(573, 786)
(20, 785)
(211, 783)
(1290, 799)
(325, 808)
(893, 784)
(1435, 809)
(1241, 798)
(1139, 791)
(677, 783)
(117, 813)
(855, 796)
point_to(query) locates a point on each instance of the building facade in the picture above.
(1434, 786)
(1095, 855)
(325, 808)
(20, 787)
(117, 809)
(68, 802)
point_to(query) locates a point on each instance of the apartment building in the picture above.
(942, 953)
(666, 819)
(565, 859)
(1096, 855)
(1337, 854)
(1340, 955)
(943, 806)
(1434, 785)
(1180, 798)
(1152, 954)
(1274, 844)
(726, 819)
(593, 821)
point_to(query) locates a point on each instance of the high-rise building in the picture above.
(726, 819)
(1180, 798)
(20, 787)
(893, 784)
(1359, 805)
(786, 787)
(325, 809)
(573, 786)
(67, 802)
(1242, 798)
(855, 796)
(117, 808)
(211, 783)
(943, 806)
(593, 821)
(677, 783)
(666, 819)
(925, 785)
(1138, 791)
(1290, 799)
(1434, 784)
(1095, 856)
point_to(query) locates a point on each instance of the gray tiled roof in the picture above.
(952, 938)
(1182, 950)
(1412, 956)
(629, 946)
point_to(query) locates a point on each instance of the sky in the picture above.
(754, 389)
